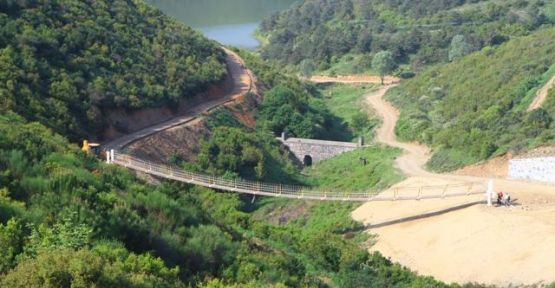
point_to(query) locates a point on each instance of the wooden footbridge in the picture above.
(292, 191)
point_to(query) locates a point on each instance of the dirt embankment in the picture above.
(183, 140)
(180, 136)
(497, 167)
(122, 122)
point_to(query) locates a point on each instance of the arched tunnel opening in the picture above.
(307, 160)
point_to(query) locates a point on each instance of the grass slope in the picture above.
(347, 102)
(346, 172)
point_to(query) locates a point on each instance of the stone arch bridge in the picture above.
(309, 151)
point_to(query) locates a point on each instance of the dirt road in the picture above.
(541, 95)
(354, 79)
(415, 155)
(242, 83)
(477, 244)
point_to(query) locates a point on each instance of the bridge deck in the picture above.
(291, 191)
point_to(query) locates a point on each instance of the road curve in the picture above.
(242, 83)
(416, 155)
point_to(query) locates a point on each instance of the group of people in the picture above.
(503, 198)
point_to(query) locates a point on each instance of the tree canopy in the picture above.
(383, 63)
(67, 62)
(416, 32)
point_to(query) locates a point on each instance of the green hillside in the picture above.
(69, 220)
(416, 32)
(66, 62)
(475, 107)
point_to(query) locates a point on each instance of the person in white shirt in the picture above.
(506, 199)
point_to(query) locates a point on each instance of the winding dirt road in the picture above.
(483, 244)
(242, 83)
(415, 156)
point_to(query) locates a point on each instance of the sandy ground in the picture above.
(497, 167)
(476, 244)
(541, 95)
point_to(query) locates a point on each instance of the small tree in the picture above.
(384, 63)
(459, 48)
(307, 68)
(360, 122)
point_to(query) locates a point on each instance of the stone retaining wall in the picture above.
(317, 150)
(537, 169)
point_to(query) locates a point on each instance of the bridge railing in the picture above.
(293, 191)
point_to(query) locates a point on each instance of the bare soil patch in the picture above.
(242, 81)
(541, 95)
(497, 167)
(354, 79)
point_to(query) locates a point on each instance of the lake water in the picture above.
(230, 22)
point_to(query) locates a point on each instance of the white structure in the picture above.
(489, 192)
(536, 169)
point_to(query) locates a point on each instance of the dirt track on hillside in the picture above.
(541, 95)
(483, 244)
(354, 79)
(243, 81)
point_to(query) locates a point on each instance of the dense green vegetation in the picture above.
(240, 152)
(289, 104)
(66, 62)
(68, 220)
(415, 32)
(475, 107)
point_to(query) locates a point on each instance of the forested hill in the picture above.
(475, 107)
(65, 62)
(416, 32)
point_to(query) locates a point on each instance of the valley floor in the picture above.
(476, 244)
